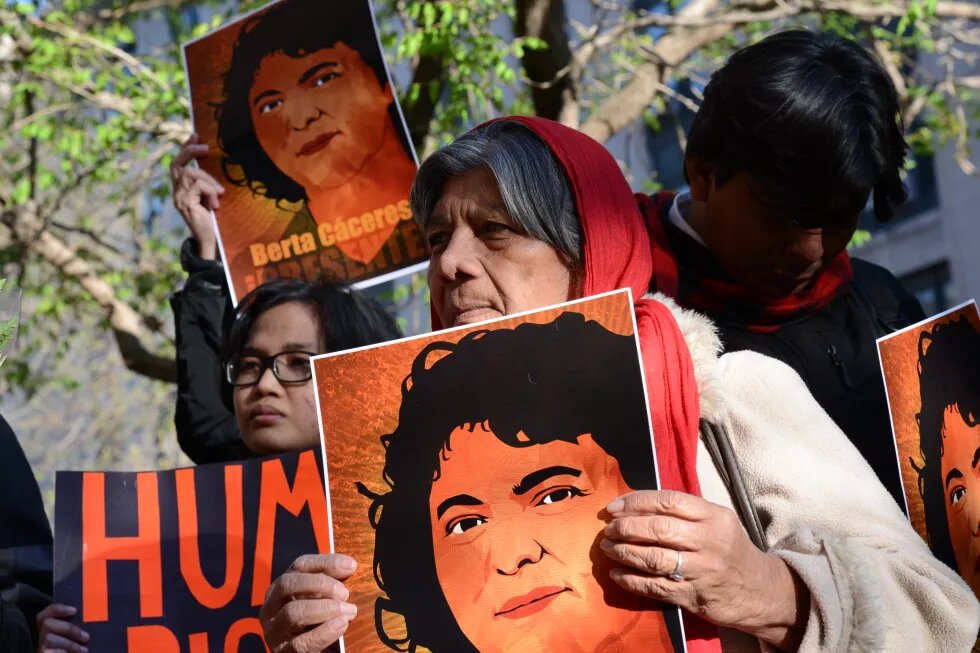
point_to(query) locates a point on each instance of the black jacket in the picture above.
(25, 540)
(15, 636)
(206, 427)
(834, 351)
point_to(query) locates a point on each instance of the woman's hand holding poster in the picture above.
(305, 134)
(932, 377)
(468, 473)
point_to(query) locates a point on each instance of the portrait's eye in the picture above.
(271, 105)
(957, 495)
(323, 79)
(463, 524)
(559, 494)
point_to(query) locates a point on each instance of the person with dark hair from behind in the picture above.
(949, 441)
(794, 135)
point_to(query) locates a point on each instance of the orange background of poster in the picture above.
(244, 218)
(899, 362)
(207, 59)
(360, 396)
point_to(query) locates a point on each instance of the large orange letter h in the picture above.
(97, 549)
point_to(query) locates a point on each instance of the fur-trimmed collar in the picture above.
(705, 346)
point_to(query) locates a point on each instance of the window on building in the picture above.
(920, 182)
(932, 286)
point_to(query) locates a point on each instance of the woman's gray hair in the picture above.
(533, 186)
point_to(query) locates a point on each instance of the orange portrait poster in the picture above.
(468, 471)
(932, 378)
(307, 138)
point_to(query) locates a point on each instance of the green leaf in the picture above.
(21, 192)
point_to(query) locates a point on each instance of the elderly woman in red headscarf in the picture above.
(772, 530)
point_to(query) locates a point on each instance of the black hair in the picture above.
(294, 28)
(345, 318)
(949, 375)
(549, 382)
(815, 119)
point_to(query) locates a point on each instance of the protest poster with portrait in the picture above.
(306, 136)
(932, 379)
(180, 560)
(468, 471)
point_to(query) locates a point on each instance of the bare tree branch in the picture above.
(553, 89)
(670, 50)
(750, 11)
(129, 8)
(126, 324)
(429, 71)
(702, 21)
(134, 64)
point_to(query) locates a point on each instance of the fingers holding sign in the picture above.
(682, 549)
(196, 194)
(56, 634)
(306, 608)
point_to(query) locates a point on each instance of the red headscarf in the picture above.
(618, 255)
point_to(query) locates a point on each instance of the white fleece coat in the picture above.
(873, 582)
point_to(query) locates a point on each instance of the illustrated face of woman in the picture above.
(320, 117)
(960, 471)
(275, 417)
(483, 264)
(514, 536)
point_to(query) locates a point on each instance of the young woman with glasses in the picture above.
(277, 328)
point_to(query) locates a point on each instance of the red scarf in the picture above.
(618, 255)
(685, 270)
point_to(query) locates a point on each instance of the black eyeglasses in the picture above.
(287, 367)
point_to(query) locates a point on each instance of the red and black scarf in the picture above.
(686, 271)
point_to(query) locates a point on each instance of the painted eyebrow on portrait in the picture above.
(956, 473)
(526, 484)
(305, 77)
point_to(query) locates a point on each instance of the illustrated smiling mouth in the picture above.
(317, 144)
(529, 599)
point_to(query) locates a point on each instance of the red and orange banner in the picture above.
(468, 471)
(932, 378)
(307, 138)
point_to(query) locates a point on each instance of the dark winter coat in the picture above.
(206, 427)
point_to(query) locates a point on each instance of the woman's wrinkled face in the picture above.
(320, 117)
(960, 469)
(483, 264)
(515, 534)
(276, 417)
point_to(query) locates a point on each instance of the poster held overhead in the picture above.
(305, 133)
(473, 465)
(932, 379)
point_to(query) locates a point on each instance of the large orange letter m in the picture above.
(307, 490)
